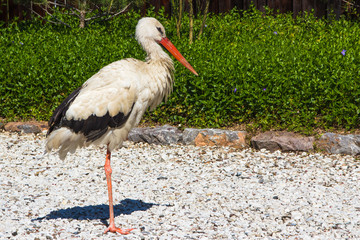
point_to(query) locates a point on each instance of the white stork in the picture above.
(109, 104)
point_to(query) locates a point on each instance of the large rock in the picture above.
(284, 141)
(26, 127)
(159, 135)
(339, 144)
(214, 137)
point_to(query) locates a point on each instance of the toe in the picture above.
(118, 230)
(124, 231)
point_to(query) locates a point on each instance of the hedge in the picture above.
(265, 71)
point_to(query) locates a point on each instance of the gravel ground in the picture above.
(176, 192)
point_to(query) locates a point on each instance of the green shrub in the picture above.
(271, 71)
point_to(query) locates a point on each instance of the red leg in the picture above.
(108, 172)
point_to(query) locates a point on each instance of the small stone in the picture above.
(24, 127)
(164, 135)
(162, 178)
(284, 141)
(214, 137)
(339, 144)
(296, 215)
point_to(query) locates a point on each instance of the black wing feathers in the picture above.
(93, 127)
(60, 111)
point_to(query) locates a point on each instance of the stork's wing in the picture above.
(60, 111)
(94, 126)
(104, 101)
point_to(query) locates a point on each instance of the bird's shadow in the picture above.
(126, 207)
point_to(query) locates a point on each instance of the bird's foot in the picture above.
(114, 229)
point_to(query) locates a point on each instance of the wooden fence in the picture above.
(321, 8)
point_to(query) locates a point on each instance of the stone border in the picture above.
(272, 140)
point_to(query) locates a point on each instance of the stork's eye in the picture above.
(159, 29)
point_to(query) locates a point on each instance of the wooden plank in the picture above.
(214, 6)
(320, 8)
(221, 5)
(329, 7)
(261, 5)
(167, 6)
(224, 5)
(285, 6)
(228, 5)
(337, 9)
(3, 15)
(239, 4)
(307, 5)
(246, 4)
(297, 7)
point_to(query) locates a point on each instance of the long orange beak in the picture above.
(172, 49)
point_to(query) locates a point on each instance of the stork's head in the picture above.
(151, 30)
